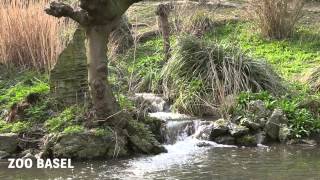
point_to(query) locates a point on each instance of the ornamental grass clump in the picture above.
(276, 18)
(203, 76)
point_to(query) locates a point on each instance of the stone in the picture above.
(238, 130)
(247, 140)
(227, 140)
(149, 103)
(302, 142)
(9, 142)
(284, 133)
(274, 123)
(220, 128)
(258, 108)
(204, 144)
(85, 145)
(4, 155)
(261, 137)
(69, 77)
(203, 130)
(250, 124)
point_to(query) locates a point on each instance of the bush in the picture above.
(201, 75)
(29, 37)
(276, 18)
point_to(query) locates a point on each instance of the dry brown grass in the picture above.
(276, 18)
(28, 37)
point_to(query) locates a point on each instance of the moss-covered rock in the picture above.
(9, 142)
(87, 145)
(246, 140)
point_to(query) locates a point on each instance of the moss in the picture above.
(103, 131)
(74, 129)
(247, 140)
(70, 116)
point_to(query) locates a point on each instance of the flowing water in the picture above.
(190, 156)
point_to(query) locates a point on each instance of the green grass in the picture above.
(15, 89)
(291, 57)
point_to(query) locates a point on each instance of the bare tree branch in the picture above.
(59, 9)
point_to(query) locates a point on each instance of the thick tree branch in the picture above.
(59, 9)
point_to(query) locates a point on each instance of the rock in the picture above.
(247, 140)
(9, 142)
(155, 125)
(302, 142)
(250, 124)
(261, 137)
(149, 103)
(29, 156)
(204, 144)
(203, 130)
(274, 122)
(86, 145)
(284, 133)
(220, 128)
(146, 147)
(69, 77)
(258, 108)
(227, 140)
(4, 155)
(238, 130)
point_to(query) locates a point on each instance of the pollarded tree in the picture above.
(99, 18)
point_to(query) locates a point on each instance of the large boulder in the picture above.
(250, 124)
(9, 142)
(275, 121)
(238, 130)
(220, 128)
(87, 145)
(247, 140)
(226, 139)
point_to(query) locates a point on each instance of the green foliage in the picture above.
(302, 122)
(103, 131)
(70, 116)
(14, 91)
(18, 127)
(74, 129)
(124, 101)
(290, 57)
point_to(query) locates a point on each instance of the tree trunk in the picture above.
(163, 13)
(103, 99)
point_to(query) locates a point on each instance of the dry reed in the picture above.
(276, 18)
(29, 38)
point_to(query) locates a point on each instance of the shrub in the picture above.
(276, 18)
(198, 23)
(202, 74)
(29, 37)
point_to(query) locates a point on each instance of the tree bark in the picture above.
(162, 12)
(103, 99)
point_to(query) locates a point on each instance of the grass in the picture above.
(291, 57)
(202, 74)
(15, 90)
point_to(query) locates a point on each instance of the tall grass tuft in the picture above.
(28, 37)
(276, 18)
(203, 76)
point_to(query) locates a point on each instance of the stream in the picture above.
(189, 157)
